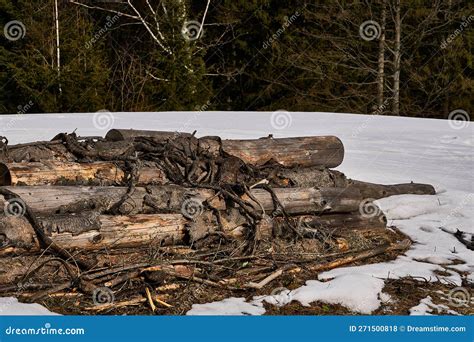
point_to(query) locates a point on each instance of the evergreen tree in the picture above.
(28, 66)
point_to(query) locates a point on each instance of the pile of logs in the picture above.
(139, 189)
(137, 209)
(89, 213)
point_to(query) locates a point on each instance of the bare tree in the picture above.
(397, 59)
(381, 59)
(58, 49)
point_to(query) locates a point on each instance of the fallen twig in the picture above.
(364, 255)
(150, 299)
(265, 281)
(101, 307)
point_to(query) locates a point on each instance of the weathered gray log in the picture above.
(75, 199)
(321, 151)
(108, 173)
(376, 220)
(57, 172)
(307, 200)
(308, 177)
(315, 177)
(174, 198)
(125, 134)
(34, 152)
(376, 191)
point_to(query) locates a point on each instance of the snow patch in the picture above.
(227, 307)
(357, 292)
(426, 308)
(10, 306)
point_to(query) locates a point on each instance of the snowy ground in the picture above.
(378, 149)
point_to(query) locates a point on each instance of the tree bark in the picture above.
(62, 173)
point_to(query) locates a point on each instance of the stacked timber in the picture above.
(134, 189)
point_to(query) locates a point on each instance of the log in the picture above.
(321, 151)
(88, 231)
(108, 173)
(338, 224)
(105, 232)
(308, 200)
(34, 152)
(377, 191)
(345, 221)
(125, 134)
(171, 199)
(61, 173)
(44, 200)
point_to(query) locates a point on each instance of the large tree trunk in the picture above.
(88, 231)
(62, 173)
(92, 232)
(322, 151)
(308, 200)
(172, 199)
(381, 62)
